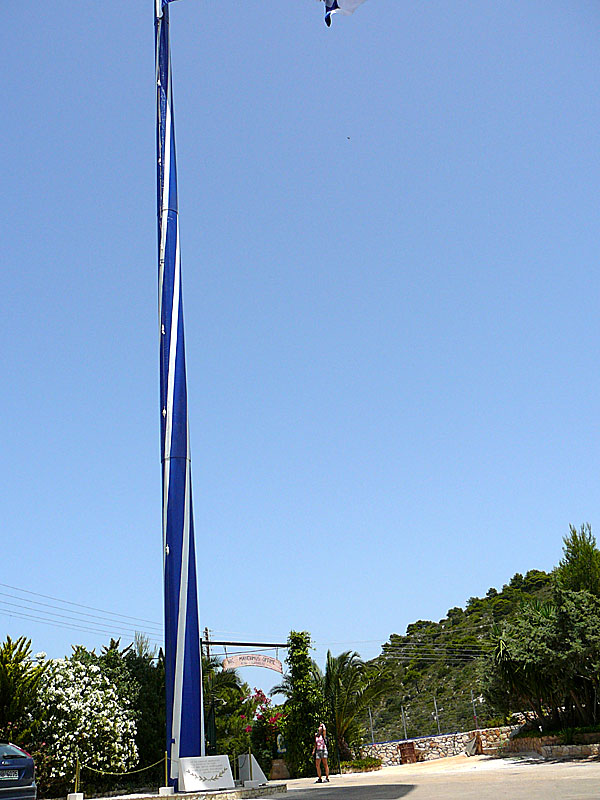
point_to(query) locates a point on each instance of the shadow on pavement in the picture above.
(565, 760)
(541, 761)
(391, 791)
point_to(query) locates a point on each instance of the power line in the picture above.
(450, 658)
(418, 643)
(264, 645)
(80, 605)
(59, 608)
(86, 622)
(98, 627)
(432, 652)
(69, 625)
(249, 652)
(443, 628)
(421, 652)
(439, 659)
(352, 641)
(435, 646)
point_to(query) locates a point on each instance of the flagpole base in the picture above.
(163, 791)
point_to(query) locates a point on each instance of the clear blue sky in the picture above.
(390, 263)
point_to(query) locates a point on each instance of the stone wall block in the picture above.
(432, 747)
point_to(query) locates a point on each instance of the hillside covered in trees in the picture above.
(529, 652)
(532, 647)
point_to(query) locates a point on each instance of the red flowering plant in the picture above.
(234, 724)
(267, 724)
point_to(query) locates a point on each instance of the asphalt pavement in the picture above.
(462, 778)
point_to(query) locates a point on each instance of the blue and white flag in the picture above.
(160, 4)
(342, 6)
(183, 666)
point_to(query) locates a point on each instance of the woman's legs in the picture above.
(318, 766)
(326, 769)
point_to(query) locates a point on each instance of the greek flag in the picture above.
(160, 4)
(185, 729)
(342, 6)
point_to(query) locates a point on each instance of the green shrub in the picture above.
(588, 729)
(536, 733)
(304, 707)
(568, 735)
(361, 765)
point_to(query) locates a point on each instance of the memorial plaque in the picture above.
(205, 773)
(249, 769)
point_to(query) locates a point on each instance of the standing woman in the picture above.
(320, 752)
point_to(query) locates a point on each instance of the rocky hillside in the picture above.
(438, 665)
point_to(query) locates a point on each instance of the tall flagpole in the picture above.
(183, 666)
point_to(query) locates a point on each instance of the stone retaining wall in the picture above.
(429, 748)
(550, 747)
(570, 750)
(532, 744)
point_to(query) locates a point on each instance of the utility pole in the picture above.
(404, 721)
(337, 744)
(207, 641)
(474, 711)
(437, 716)
(371, 720)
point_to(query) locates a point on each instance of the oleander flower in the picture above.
(85, 718)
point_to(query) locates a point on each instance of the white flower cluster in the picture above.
(85, 717)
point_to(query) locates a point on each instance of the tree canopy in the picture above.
(579, 569)
(20, 677)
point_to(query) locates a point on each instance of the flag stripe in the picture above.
(183, 593)
(182, 634)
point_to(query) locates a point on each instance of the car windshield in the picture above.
(10, 751)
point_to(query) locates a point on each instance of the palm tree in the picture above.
(215, 679)
(20, 676)
(217, 683)
(350, 686)
(285, 687)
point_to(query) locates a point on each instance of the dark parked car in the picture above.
(17, 774)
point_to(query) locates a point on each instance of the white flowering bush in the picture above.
(83, 716)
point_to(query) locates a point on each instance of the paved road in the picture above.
(462, 778)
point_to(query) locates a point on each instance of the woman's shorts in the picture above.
(321, 754)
